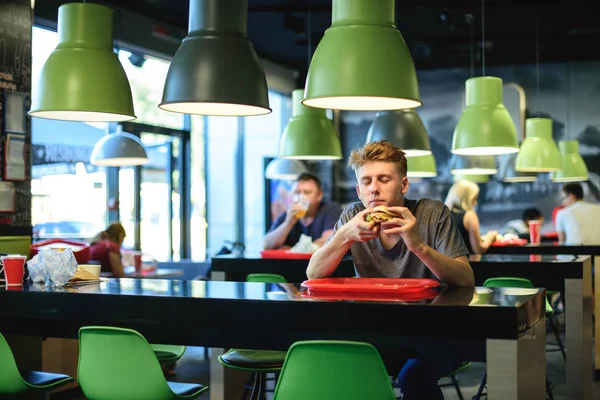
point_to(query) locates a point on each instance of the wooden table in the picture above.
(506, 332)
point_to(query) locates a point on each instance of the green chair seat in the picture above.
(167, 353)
(325, 370)
(118, 363)
(266, 278)
(508, 281)
(12, 382)
(254, 360)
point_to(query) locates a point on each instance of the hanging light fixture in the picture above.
(362, 62)
(282, 168)
(538, 151)
(82, 80)
(119, 149)
(472, 178)
(421, 166)
(216, 70)
(573, 168)
(485, 126)
(473, 165)
(509, 174)
(403, 129)
(309, 135)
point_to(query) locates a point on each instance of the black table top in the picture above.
(546, 248)
(527, 258)
(259, 315)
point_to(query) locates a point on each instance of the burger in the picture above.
(381, 214)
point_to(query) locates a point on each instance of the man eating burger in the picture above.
(394, 237)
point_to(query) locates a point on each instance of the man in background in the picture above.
(315, 218)
(577, 223)
(521, 226)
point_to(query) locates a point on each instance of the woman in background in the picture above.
(106, 248)
(461, 200)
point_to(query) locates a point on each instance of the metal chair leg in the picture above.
(457, 387)
(258, 391)
(549, 389)
(558, 339)
(481, 387)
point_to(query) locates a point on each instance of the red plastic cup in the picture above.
(535, 257)
(137, 262)
(535, 232)
(14, 269)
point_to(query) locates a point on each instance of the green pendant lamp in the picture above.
(539, 152)
(485, 126)
(216, 70)
(309, 135)
(421, 167)
(403, 129)
(473, 165)
(573, 168)
(282, 168)
(119, 149)
(82, 80)
(472, 178)
(362, 61)
(509, 174)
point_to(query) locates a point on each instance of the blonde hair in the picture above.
(461, 195)
(113, 232)
(380, 150)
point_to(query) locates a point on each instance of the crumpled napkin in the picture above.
(52, 267)
(305, 245)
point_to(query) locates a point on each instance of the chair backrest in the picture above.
(267, 278)
(324, 370)
(11, 381)
(507, 281)
(117, 363)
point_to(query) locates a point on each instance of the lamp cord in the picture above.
(482, 39)
(537, 64)
(472, 32)
(308, 32)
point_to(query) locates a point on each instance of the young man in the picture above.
(317, 223)
(577, 223)
(521, 226)
(423, 243)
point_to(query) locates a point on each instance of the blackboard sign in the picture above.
(16, 21)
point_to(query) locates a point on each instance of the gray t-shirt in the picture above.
(436, 227)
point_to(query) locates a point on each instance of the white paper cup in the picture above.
(93, 269)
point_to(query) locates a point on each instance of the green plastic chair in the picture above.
(13, 383)
(167, 353)
(266, 278)
(119, 364)
(259, 362)
(325, 370)
(516, 282)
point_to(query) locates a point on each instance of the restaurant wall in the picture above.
(569, 93)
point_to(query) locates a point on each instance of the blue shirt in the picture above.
(325, 219)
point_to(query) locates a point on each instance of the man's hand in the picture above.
(397, 228)
(290, 217)
(358, 230)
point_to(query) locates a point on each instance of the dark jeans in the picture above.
(418, 378)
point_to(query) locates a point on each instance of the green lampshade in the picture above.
(119, 149)
(421, 166)
(362, 61)
(82, 80)
(216, 70)
(485, 126)
(282, 168)
(403, 129)
(573, 168)
(473, 165)
(472, 178)
(309, 135)
(509, 174)
(538, 151)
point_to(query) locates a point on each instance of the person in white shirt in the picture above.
(577, 223)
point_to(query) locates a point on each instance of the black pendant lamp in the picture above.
(216, 70)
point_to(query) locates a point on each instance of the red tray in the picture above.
(515, 242)
(285, 254)
(370, 285)
(388, 297)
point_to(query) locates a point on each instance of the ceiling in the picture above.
(438, 32)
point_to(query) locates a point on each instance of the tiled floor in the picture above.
(193, 367)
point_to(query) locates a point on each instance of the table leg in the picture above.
(596, 263)
(578, 322)
(516, 369)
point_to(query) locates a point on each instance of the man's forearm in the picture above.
(325, 260)
(452, 271)
(277, 236)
